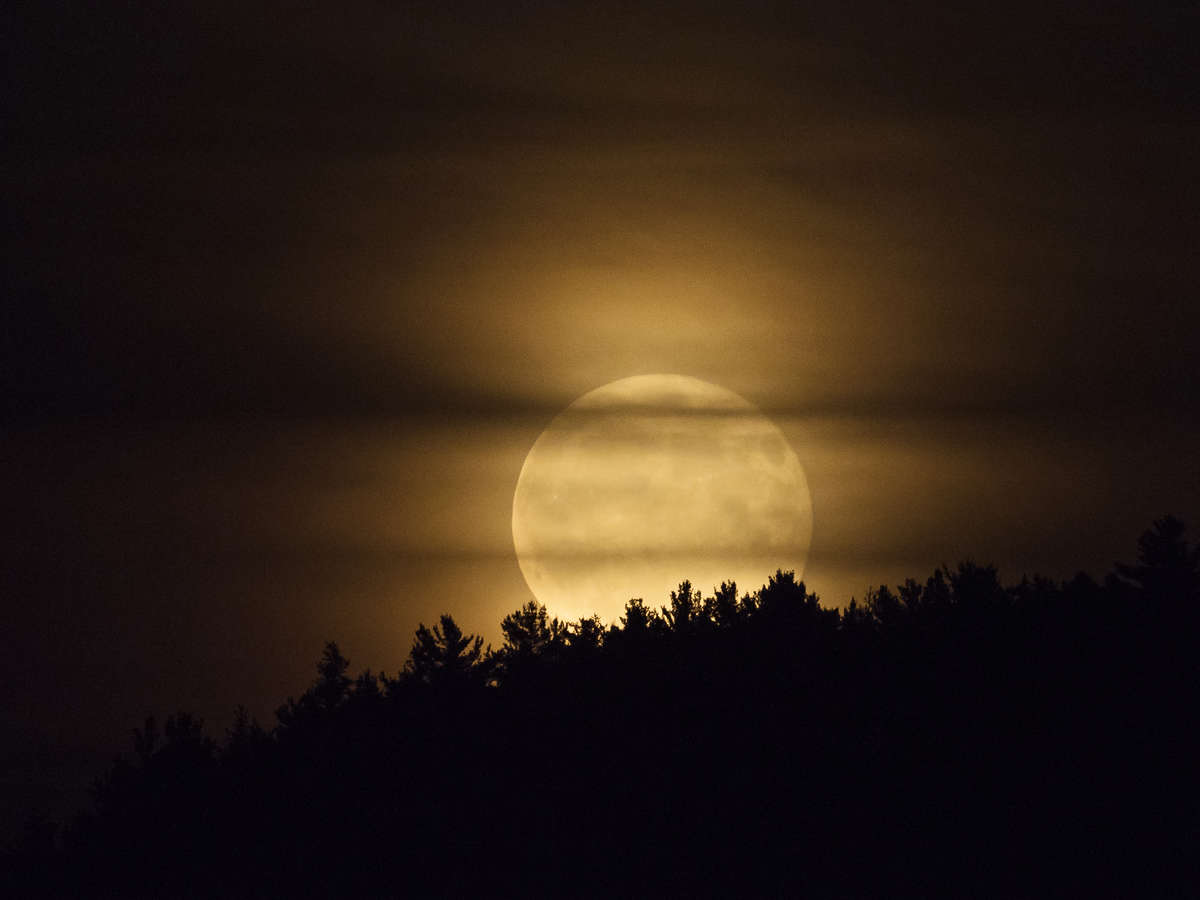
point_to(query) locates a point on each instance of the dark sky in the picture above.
(290, 292)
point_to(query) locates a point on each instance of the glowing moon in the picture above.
(649, 480)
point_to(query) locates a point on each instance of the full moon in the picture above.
(651, 480)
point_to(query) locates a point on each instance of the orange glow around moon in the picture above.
(651, 480)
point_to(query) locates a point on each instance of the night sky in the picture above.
(290, 293)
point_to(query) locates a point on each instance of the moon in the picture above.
(651, 480)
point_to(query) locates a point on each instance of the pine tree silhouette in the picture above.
(446, 656)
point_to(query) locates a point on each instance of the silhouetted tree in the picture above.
(856, 616)
(367, 686)
(911, 596)
(785, 598)
(1167, 567)
(977, 587)
(531, 638)
(245, 739)
(884, 606)
(639, 620)
(529, 631)
(722, 608)
(936, 597)
(685, 608)
(333, 684)
(446, 656)
(586, 635)
(326, 694)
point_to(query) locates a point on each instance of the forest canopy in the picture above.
(942, 735)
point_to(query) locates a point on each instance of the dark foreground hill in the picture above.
(951, 737)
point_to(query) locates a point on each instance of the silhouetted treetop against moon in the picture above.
(652, 479)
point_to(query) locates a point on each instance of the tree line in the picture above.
(945, 736)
